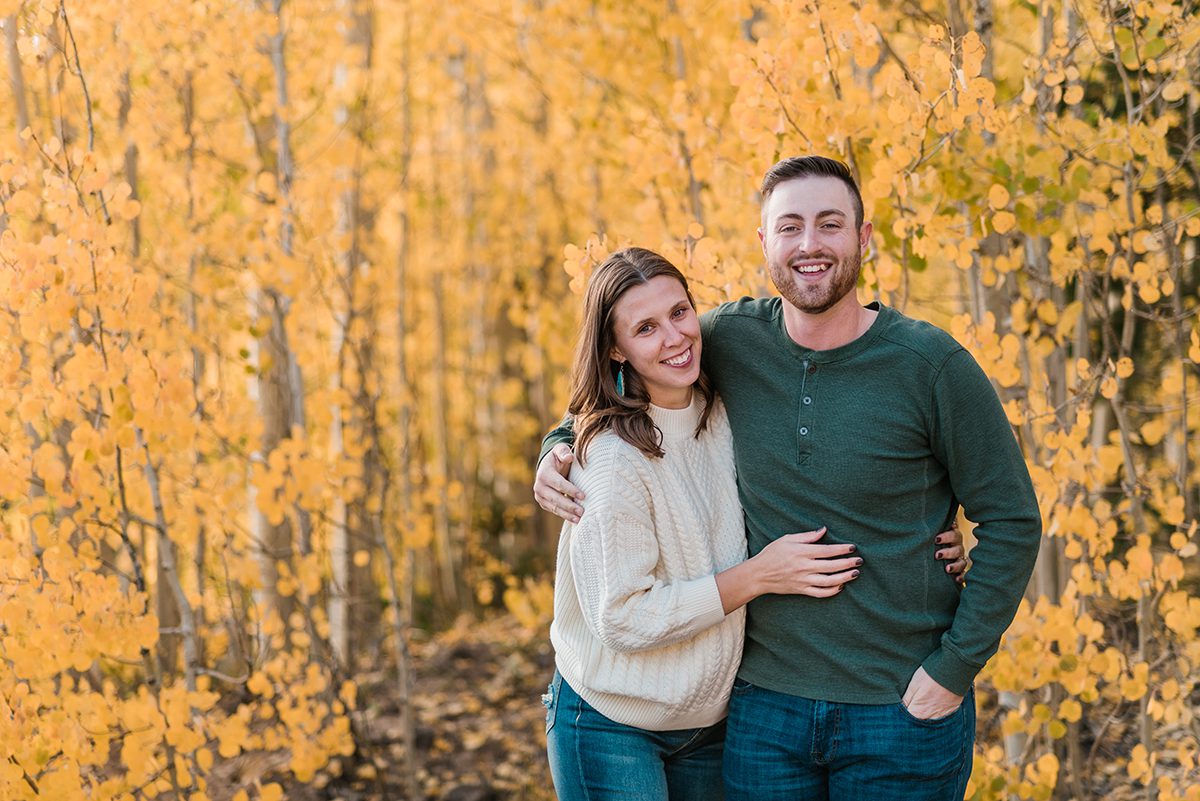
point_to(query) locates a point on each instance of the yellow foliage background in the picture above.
(288, 296)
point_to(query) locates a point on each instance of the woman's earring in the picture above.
(621, 380)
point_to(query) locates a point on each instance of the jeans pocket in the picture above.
(550, 700)
(931, 722)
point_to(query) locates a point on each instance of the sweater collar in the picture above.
(678, 423)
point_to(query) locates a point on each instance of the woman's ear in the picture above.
(616, 355)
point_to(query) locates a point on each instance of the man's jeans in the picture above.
(593, 758)
(784, 747)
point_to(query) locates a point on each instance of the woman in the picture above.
(652, 580)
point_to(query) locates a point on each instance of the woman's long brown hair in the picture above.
(595, 402)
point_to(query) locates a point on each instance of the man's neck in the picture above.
(844, 322)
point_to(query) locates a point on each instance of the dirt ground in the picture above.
(479, 734)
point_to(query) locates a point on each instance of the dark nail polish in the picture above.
(938, 540)
(853, 548)
(854, 574)
(938, 555)
(857, 562)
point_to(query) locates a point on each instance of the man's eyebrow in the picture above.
(791, 215)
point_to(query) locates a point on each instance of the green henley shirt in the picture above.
(880, 440)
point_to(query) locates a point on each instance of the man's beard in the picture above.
(824, 296)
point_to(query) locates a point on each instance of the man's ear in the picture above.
(864, 235)
(762, 241)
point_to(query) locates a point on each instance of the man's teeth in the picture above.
(680, 359)
(811, 268)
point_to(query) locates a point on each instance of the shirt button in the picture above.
(807, 401)
(812, 368)
(804, 431)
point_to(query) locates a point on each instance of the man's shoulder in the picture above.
(923, 339)
(741, 314)
(747, 308)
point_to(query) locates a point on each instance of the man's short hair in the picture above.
(806, 166)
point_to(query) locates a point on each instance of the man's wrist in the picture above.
(950, 671)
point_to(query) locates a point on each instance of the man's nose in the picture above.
(804, 240)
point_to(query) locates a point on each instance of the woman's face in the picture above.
(658, 333)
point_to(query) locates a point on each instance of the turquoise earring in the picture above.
(621, 379)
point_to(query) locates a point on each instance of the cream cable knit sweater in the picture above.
(639, 630)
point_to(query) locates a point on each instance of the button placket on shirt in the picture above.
(806, 416)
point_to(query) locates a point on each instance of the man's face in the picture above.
(813, 250)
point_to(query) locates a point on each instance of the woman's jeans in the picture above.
(593, 758)
(782, 748)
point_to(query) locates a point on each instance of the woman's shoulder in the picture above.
(608, 459)
(612, 468)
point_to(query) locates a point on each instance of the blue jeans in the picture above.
(784, 747)
(593, 758)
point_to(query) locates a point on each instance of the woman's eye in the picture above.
(678, 313)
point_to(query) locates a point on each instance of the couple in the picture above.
(857, 425)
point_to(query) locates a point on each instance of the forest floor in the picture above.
(480, 723)
(480, 728)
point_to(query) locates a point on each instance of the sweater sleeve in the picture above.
(973, 439)
(614, 550)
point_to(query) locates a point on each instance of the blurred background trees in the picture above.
(289, 292)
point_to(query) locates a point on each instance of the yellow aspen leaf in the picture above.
(1170, 569)
(1073, 94)
(1124, 367)
(362, 558)
(1014, 723)
(695, 230)
(998, 198)
(1140, 559)
(266, 185)
(1070, 710)
(1194, 347)
(271, 792)
(260, 685)
(1003, 222)
(1153, 431)
(1174, 90)
(1141, 764)
(1047, 312)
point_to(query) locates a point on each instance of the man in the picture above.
(877, 427)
